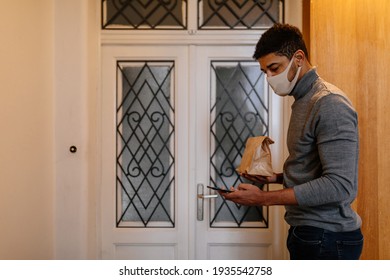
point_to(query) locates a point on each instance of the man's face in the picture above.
(273, 64)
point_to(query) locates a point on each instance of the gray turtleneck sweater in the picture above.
(322, 165)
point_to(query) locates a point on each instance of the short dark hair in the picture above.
(283, 39)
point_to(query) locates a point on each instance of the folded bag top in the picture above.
(256, 159)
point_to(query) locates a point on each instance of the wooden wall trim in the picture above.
(349, 43)
(306, 23)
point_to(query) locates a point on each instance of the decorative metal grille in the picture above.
(239, 109)
(144, 14)
(145, 144)
(238, 14)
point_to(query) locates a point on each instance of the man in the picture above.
(320, 174)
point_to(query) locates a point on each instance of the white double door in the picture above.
(191, 225)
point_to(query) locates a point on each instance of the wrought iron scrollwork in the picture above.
(145, 148)
(240, 111)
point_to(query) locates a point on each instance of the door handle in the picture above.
(200, 203)
(203, 196)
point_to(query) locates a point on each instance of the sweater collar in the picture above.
(304, 84)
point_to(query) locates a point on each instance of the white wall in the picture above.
(76, 45)
(48, 102)
(27, 129)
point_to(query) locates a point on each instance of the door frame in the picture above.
(176, 242)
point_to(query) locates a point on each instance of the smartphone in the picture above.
(219, 189)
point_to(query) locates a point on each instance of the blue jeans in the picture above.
(311, 243)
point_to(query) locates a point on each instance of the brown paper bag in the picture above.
(256, 159)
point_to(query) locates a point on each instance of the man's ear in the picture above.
(300, 55)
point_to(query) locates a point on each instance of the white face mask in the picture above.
(280, 83)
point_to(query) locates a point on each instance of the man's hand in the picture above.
(250, 195)
(246, 194)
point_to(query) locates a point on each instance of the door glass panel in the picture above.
(144, 14)
(145, 144)
(238, 14)
(239, 109)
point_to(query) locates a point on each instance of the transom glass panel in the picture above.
(144, 14)
(145, 144)
(173, 14)
(238, 14)
(239, 109)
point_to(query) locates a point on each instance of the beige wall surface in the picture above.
(350, 44)
(26, 125)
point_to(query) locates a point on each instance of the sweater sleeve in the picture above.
(335, 129)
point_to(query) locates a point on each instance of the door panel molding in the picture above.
(118, 241)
